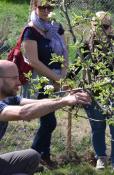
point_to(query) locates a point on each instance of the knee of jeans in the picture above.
(98, 131)
(52, 126)
(98, 126)
(49, 123)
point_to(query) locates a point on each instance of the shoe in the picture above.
(40, 169)
(50, 164)
(113, 166)
(101, 163)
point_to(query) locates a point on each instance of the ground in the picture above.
(20, 134)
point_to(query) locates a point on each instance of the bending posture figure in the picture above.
(98, 124)
(43, 38)
(13, 107)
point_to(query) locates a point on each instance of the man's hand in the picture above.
(78, 98)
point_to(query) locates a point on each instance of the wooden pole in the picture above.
(69, 135)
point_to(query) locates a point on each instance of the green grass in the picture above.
(19, 136)
(13, 17)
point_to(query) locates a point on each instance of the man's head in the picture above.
(104, 20)
(9, 79)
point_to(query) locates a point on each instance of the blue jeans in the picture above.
(98, 130)
(26, 88)
(42, 140)
(26, 91)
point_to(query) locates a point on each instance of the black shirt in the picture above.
(43, 45)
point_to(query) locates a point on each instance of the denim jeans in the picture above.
(25, 91)
(42, 140)
(98, 130)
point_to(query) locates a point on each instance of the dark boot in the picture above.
(46, 161)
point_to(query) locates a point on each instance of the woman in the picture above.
(39, 41)
(101, 34)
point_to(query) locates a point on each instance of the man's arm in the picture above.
(41, 107)
(25, 101)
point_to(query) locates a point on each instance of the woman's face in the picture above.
(43, 11)
(106, 27)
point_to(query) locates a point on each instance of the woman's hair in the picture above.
(103, 18)
(33, 4)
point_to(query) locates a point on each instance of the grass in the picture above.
(20, 134)
(13, 17)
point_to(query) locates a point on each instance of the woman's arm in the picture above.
(31, 52)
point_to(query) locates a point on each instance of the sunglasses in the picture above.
(105, 26)
(43, 8)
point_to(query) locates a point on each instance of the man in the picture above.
(13, 107)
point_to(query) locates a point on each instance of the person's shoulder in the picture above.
(15, 100)
(29, 33)
(12, 100)
(32, 28)
(2, 105)
(29, 30)
(3, 125)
